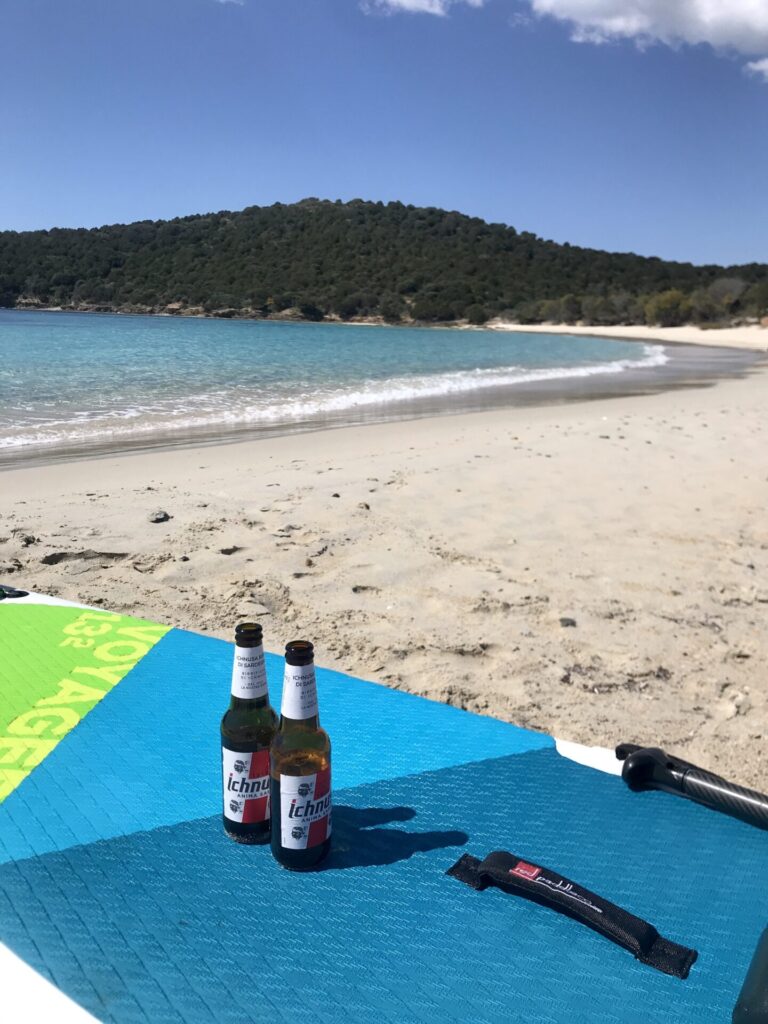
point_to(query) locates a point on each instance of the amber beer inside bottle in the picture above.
(247, 730)
(301, 768)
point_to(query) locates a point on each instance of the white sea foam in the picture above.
(236, 408)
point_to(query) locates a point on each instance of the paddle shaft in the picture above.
(651, 768)
(714, 792)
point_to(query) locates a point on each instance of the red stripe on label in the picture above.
(256, 810)
(259, 764)
(318, 830)
(322, 783)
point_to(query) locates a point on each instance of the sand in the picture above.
(753, 337)
(598, 570)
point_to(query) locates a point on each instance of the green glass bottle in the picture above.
(247, 730)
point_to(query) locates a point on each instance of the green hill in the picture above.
(318, 259)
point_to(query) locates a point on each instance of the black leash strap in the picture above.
(522, 878)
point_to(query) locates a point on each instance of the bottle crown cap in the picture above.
(248, 634)
(299, 652)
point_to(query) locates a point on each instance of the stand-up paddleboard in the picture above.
(120, 890)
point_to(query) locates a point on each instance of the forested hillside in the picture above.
(318, 259)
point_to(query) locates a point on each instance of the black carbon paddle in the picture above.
(651, 768)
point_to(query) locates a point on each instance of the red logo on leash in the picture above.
(529, 871)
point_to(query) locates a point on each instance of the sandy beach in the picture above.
(596, 569)
(752, 337)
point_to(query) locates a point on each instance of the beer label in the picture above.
(305, 810)
(299, 692)
(246, 785)
(249, 675)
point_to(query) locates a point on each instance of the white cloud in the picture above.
(740, 25)
(759, 68)
(440, 7)
(239, 3)
(520, 20)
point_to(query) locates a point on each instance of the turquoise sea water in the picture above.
(78, 379)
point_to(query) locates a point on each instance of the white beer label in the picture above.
(305, 810)
(249, 674)
(246, 785)
(299, 692)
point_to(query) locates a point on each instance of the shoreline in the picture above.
(685, 366)
(448, 555)
(752, 337)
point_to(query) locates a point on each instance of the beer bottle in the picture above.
(301, 768)
(247, 729)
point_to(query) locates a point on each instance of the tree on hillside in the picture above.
(311, 311)
(668, 309)
(754, 300)
(476, 314)
(705, 309)
(392, 308)
(570, 309)
(726, 291)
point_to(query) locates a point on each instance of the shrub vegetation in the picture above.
(317, 259)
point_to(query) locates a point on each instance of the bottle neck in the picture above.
(249, 679)
(299, 724)
(299, 705)
(246, 704)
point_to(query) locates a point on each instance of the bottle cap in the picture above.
(299, 652)
(248, 634)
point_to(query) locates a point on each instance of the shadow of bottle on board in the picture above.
(359, 843)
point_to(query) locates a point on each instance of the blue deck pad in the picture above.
(181, 926)
(148, 754)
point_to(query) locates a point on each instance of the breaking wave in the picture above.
(238, 407)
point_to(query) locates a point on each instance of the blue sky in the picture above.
(642, 136)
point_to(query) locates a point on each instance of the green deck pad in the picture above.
(56, 663)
